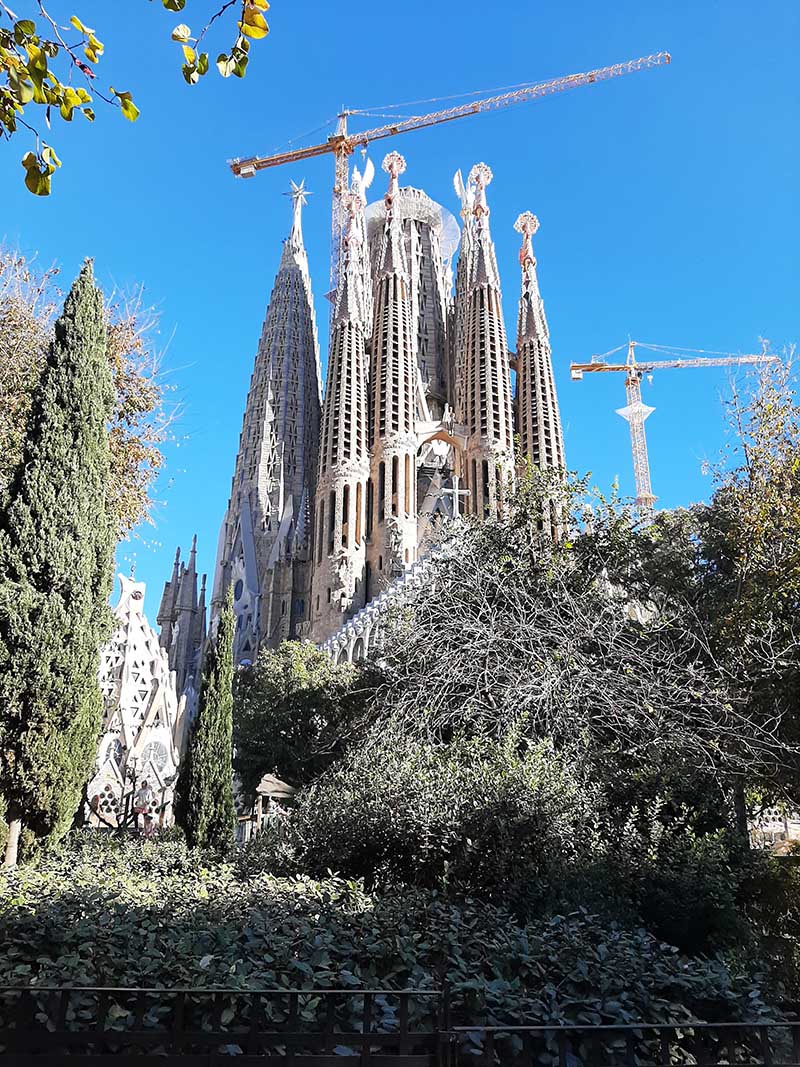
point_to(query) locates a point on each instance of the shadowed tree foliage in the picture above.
(56, 544)
(294, 711)
(208, 783)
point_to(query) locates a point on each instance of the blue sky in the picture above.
(667, 201)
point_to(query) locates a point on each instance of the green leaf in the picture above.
(26, 26)
(130, 110)
(36, 180)
(49, 156)
(225, 65)
(174, 5)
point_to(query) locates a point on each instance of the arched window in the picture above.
(395, 484)
(407, 502)
(358, 513)
(369, 506)
(345, 515)
(381, 492)
(331, 520)
(320, 530)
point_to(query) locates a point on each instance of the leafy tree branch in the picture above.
(39, 58)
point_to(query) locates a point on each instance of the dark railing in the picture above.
(60, 1027)
(770, 1044)
(325, 1027)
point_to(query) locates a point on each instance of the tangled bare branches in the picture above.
(544, 644)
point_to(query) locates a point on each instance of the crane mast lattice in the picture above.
(343, 142)
(636, 412)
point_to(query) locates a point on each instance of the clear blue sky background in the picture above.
(667, 199)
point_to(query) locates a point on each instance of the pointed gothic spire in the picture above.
(359, 248)
(484, 265)
(392, 259)
(538, 417)
(277, 461)
(344, 419)
(486, 385)
(339, 507)
(293, 245)
(348, 302)
(392, 491)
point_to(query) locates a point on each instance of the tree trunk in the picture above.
(740, 813)
(12, 844)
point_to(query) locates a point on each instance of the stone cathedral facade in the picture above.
(335, 497)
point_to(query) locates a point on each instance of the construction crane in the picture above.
(635, 411)
(343, 142)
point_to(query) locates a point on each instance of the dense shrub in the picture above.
(151, 914)
(488, 820)
(466, 816)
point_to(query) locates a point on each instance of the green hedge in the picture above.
(155, 914)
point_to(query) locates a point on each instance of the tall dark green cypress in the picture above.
(56, 547)
(209, 813)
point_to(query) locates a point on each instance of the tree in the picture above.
(56, 544)
(544, 638)
(141, 417)
(293, 713)
(209, 811)
(30, 79)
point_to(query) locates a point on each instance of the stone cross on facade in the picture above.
(455, 493)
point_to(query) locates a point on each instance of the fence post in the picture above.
(366, 1028)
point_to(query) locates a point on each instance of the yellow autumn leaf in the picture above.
(254, 24)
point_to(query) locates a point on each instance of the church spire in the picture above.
(293, 246)
(339, 540)
(262, 553)
(486, 386)
(538, 418)
(392, 489)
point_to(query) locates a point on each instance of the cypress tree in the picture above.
(56, 547)
(209, 812)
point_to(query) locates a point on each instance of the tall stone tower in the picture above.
(538, 418)
(392, 486)
(418, 420)
(265, 541)
(486, 388)
(339, 585)
(182, 620)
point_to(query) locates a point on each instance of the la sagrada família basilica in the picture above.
(336, 496)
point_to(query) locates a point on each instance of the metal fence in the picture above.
(641, 1045)
(61, 1027)
(326, 1027)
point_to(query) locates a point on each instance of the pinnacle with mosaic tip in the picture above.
(527, 224)
(480, 176)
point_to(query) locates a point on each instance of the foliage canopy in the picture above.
(39, 56)
(56, 545)
(294, 711)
